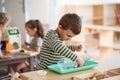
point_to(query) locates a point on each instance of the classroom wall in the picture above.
(15, 9)
(38, 9)
(1, 5)
(48, 11)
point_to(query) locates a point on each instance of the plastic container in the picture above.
(68, 67)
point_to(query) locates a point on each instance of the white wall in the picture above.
(50, 11)
(15, 8)
(1, 5)
(89, 2)
(38, 9)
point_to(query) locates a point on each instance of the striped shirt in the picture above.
(54, 50)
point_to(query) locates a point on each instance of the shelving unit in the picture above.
(106, 37)
(102, 14)
(100, 22)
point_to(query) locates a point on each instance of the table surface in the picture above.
(17, 58)
(104, 64)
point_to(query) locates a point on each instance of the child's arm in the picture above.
(36, 49)
(0, 54)
(61, 49)
(71, 48)
(75, 47)
(4, 56)
(25, 46)
(37, 45)
(26, 43)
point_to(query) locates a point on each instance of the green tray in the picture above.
(68, 67)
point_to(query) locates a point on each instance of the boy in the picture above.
(53, 49)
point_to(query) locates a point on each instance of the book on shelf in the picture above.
(117, 16)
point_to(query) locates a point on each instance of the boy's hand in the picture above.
(78, 48)
(80, 61)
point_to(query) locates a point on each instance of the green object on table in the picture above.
(68, 67)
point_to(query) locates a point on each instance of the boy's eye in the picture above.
(69, 35)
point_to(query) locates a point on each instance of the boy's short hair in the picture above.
(71, 21)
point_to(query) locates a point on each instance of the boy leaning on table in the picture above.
(53, 48)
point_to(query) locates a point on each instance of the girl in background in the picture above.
(4, 22)
(35, 30)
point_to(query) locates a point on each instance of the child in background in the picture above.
(4, 22)
(53, 48)
(34, 29)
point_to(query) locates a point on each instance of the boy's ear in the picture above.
(59, 27)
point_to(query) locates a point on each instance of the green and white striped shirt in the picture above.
(54, 50)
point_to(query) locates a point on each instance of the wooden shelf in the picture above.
(100, 22)
(100, 18)
(101, 27)
(116, 45)
(106, 34)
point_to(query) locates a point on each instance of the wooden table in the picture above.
(105, 64)
(17, 58)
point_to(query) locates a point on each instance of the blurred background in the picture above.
(100, 20)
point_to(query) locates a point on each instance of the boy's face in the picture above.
(65, 34)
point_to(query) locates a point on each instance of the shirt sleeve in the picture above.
(71, 47)
(58, 47)
(39, 42)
